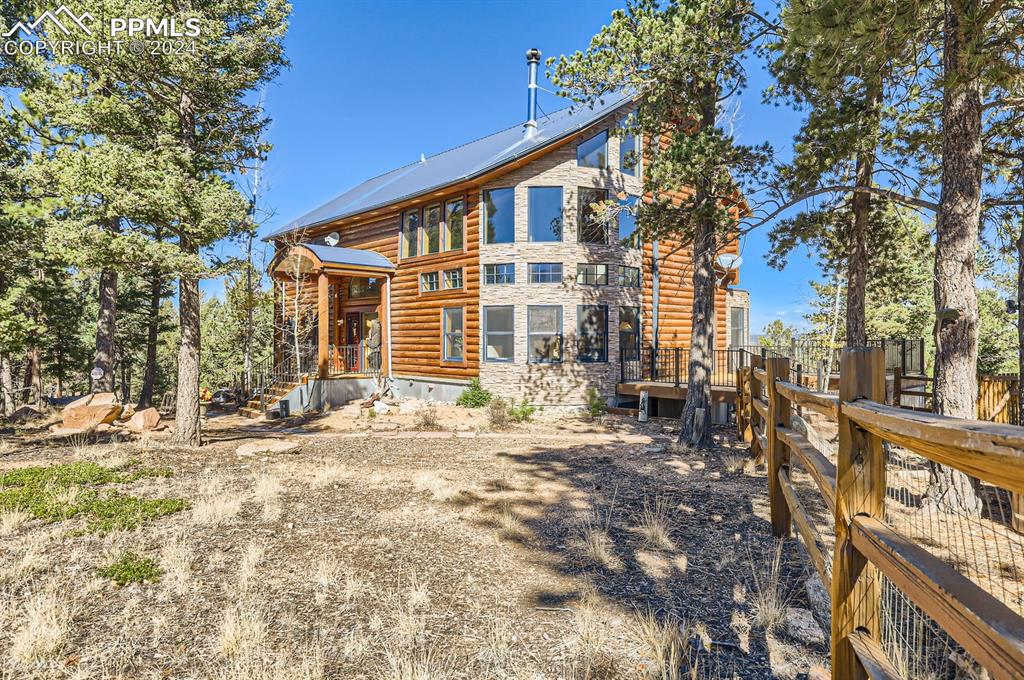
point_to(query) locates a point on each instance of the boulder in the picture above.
(800, 624)
(25, 413)
(103, 398)
(81, 401)
(351, 410)
(89, 416)
(266, 446)
(411, 406)
(146, 419)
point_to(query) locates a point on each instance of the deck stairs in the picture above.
(274, 393)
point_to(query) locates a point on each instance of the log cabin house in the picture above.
(486, 261)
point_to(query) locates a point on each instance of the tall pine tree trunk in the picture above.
(696, 417)
(7, 398)
(152, 335)
(1020, 323)
(956, 298)
(186, 414)
(33, 379)
(859, 259)
(106, 325)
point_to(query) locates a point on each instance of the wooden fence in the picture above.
(854, 488)
(999, 399)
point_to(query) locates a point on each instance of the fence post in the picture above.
(675, 361)
(654, 363)
(860, 490)
(752, 415)
(903, 355)
(740, 409)
(778, 453)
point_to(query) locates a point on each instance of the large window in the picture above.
(629, 277)
(545, 272)
(498, 274)
(592, 333)
(430, 281)
(629, 332)
(433, 229)
(593, 152)
(431, 242)
(592, 229)
(364, 288)
(738, 327)
(545, 213)
(452, 343)
(453, 278)
(629, 155)
(627, 222)
(544, 334)
(499, 333)
(410, 232)
(499, 216)
(454, 219)
(592, 274)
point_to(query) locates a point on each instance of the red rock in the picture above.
(88, 417)
(146, 419)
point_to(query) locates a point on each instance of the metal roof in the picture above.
(455, 165)
(350, 256)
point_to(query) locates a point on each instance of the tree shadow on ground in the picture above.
(562, 500)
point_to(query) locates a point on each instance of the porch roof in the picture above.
(350, 257)
(306, 258)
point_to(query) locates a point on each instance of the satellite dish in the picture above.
(332, 239)
(96, 373)
(729, 261)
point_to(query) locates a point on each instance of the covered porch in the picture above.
(332, 318)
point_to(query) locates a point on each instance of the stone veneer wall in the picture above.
(565, 383)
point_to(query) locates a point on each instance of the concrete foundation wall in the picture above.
(428, 389)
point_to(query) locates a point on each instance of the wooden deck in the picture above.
(720, 394)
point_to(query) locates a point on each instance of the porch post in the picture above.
(386, 355)
(323, 324)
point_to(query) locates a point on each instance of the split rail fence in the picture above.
(881, 578)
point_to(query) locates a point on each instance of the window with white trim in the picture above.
(543, 334)
(499, 333)
(453, 339)
(592, 333)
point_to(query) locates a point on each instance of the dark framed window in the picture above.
(452, 278)
(544, 334)
(452, 343)
(499, 333)
(588, 274)
(545, 272)
(629, 332)
(592, 333)
(629, 155)
(499, 274)
(454, 221)
(499, 216)
(592, 229)
(364, 288)
(629, 277)
(430, 281)
(593, 152)
(410, 232)
(431, 241)
(544, 212)
(627, 222)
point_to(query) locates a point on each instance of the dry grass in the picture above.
(441, 489)
(31, 560)
(243, 630)
(45, 626)
(328, 475)
(768, 599)
(589, 645)
(177, 559)
(735, 463)
(267, 492)
(512, 527)
(326, 575)
(663, 642)
(654, 523)
(247, 570)
(427, 418)
(12, 520)
(216, 504)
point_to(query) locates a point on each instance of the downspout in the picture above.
(387, 320)
(655, 294)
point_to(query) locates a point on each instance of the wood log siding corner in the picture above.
(855, 490)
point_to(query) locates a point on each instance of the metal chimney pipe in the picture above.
(532, 59)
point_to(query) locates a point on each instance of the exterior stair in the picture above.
(274, 394)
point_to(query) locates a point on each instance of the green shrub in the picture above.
(523, 412)
(474, 396)
(132, 568)
(596, 406)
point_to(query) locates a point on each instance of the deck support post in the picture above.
(860, 490)
(777, 368)
(753, 417)
(323, 324)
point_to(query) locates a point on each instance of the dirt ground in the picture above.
(560, 549)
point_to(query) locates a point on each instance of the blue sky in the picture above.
(373, 85)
